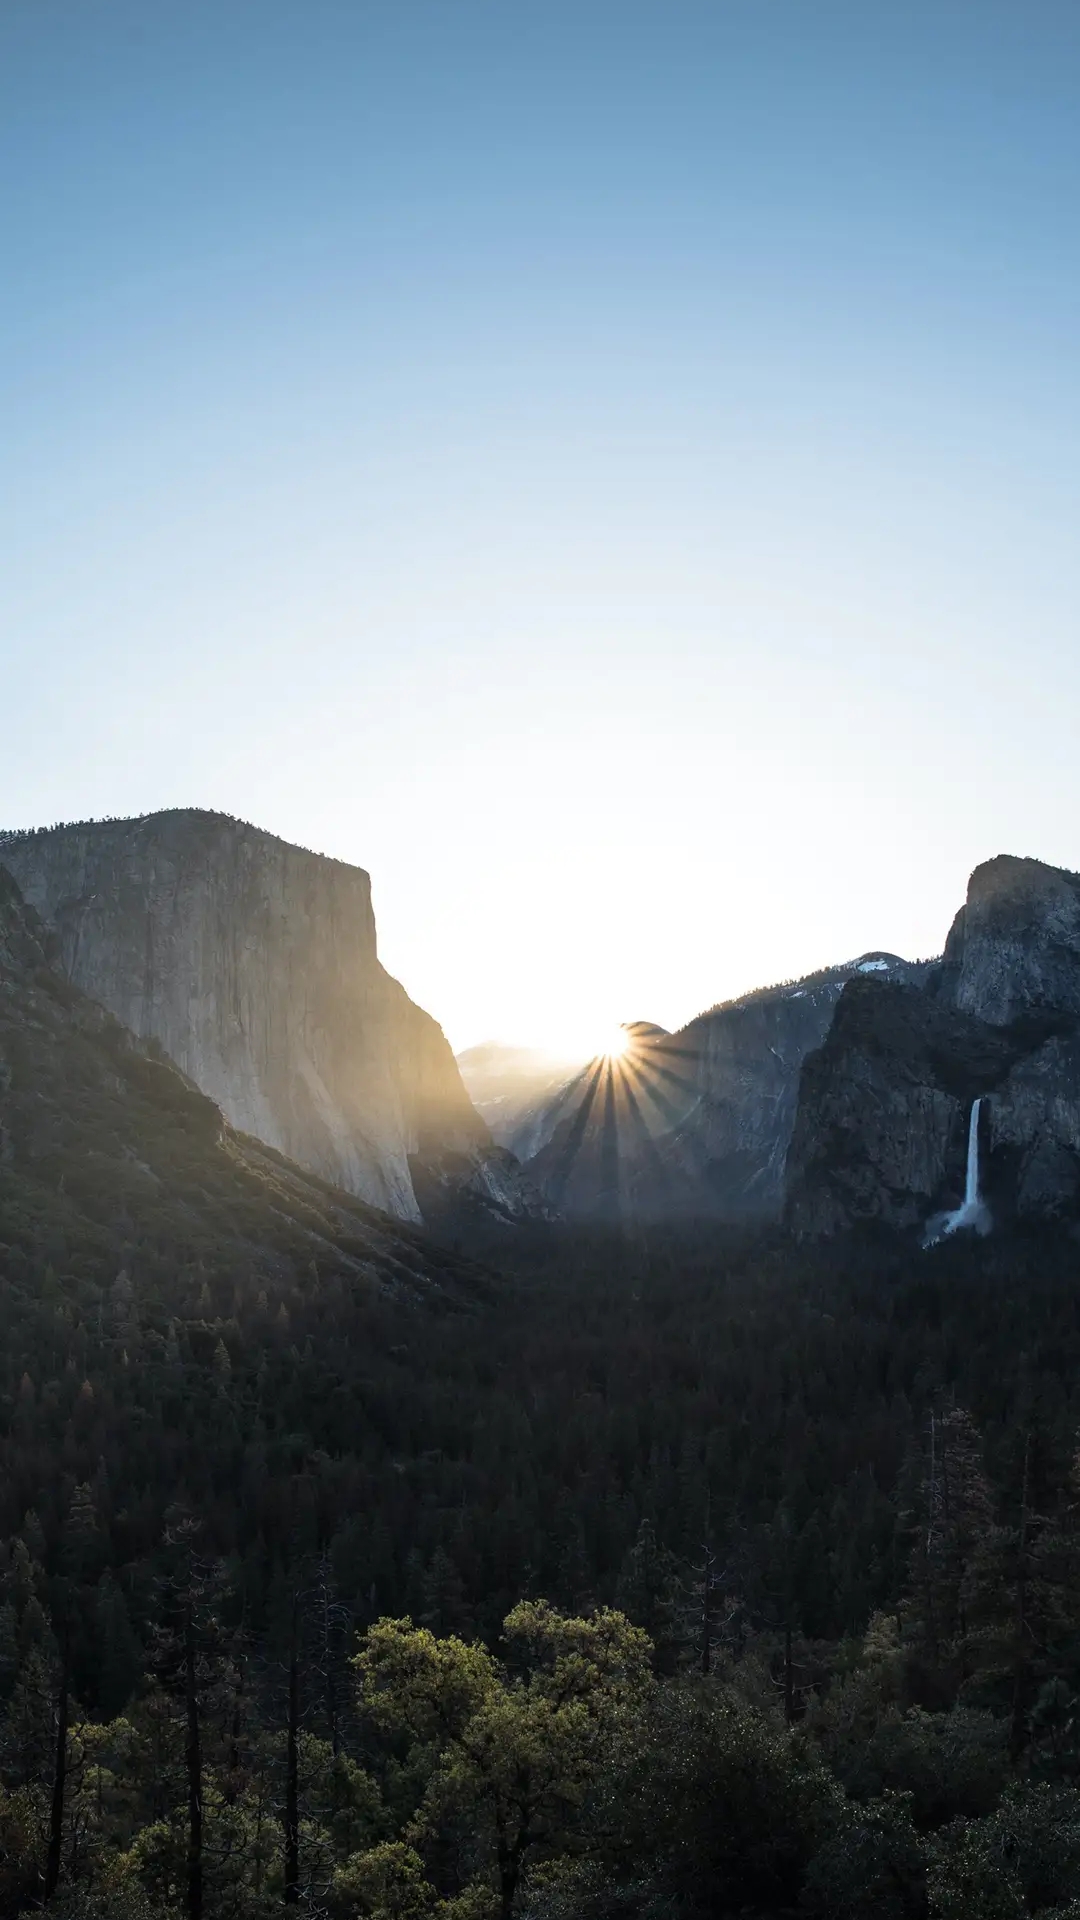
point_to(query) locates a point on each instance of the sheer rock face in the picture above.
(881, 1129)
(881, 1132)
(253, 964)
(107, 1149)
(744, 1062)
(1034, 1128)
(1014, 947)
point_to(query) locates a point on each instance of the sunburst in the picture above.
(638, 1086)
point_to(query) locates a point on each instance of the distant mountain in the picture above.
(695, 1123)
(511, 1087)
(253, 964)
(884, 1113)
(567, 1108)
(117, 1169)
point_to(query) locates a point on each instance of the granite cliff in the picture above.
(116, 1170)
(253, 964)
(884, 1103)
(1014, 947)
(744, 1059)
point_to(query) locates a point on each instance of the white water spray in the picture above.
(973, 1213)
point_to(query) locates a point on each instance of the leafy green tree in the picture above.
(716, 1808)
(24, 1826)
(1021, 1860)
(514, 1746)
(872, 1865)
(947, 1764)
(868, 1683)
(388, 1882)
(1054, 1753)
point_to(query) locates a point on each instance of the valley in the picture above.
(688, 1366)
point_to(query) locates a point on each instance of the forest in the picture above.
(650, 1575)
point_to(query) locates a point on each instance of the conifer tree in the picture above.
(647, 1591)
(1027, 1582)
(952, 1516)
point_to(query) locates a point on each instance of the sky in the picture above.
(610, 468)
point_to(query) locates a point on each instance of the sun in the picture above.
(615, 1044)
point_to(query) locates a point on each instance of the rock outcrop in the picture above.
(253, 964)
(1014, 947)
(881, 1128)
(730, 1149)
(881, 1132)
(1034, 1132)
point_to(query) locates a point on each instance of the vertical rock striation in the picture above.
(253, 964)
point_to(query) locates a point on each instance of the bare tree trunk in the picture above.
(706, 1610)
(236, 1727)
(1019, 1687)
(329, 1679)
(193, 1759)
(56, 1816)
(510, 1856)
(789, 1677)
(292, 1773)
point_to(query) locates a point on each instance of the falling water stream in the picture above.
(973, 1213)
(971, 1183)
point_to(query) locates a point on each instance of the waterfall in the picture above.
(973, 1213)
(971, 1184)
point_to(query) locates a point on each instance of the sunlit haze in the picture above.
(611, 470)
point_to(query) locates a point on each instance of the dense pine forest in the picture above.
(655, 1575)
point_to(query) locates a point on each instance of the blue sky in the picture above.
(612, 470)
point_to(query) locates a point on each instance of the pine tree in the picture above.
(189, 1659)
(445, 1609)
(647, 1591)
(953, 1515)
(1027, 1584)
(119, 1655)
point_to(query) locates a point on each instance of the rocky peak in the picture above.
(253, 963)
(1014, 947)
(885, 1101)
